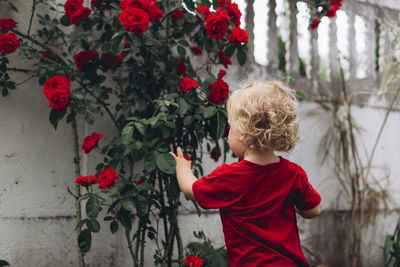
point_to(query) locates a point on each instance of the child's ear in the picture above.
(242, 137)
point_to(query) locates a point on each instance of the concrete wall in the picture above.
(37, 214)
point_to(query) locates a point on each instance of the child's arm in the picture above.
(184, 174)
(311, 213)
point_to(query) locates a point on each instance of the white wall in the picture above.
(37, 214)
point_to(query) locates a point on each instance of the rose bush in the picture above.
(134, 61)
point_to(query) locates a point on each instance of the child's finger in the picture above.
(173, 155)
(179, 151)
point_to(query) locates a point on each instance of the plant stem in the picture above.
(381, 130)
(162, 202)
(77, 187)
(128, 239)
(142, 247)
(32, 14)
(178, 235)
(21, 70)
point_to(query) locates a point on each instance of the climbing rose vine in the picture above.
(153, 69)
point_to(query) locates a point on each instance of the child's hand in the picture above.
(180, 160)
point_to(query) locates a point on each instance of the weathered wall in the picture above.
(37, 214)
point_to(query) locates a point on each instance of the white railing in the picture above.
(358, 21)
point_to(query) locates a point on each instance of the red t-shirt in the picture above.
(257, 213)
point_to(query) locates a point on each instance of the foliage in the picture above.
(212, 257)
(391, 249)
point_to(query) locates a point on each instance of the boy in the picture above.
(258, 197)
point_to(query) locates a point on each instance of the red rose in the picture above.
(8, 43)
(71, 6)
(143, 4)
(7, 24)
(335, 6)
(107, 178)
(314, 24)
(215, 153)
(188, 84)
(134, 19)
(219, 91)
(221, 73)
(217, 24)
(238, 35)
(85, 57)
(222, 3)
(86, 180)
(194, 261)
(203, 10)
(223, 59)
(234, 12)
(181, 68)
(91, 141)
(140, 181)
(47, 54)
(109, 61)
(56, 90)
(155, 13)
(196, 50)
(176, 15)
(80, 14)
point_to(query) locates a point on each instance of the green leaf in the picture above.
(241, 56)
(181, 50)
(85, 240)
(128, 204)
(165, 162)
(118, 34)
(183, 106)
(93, 225)
(229, 50)
(221, 125)
(92, 207)
(118, 44)
(145, 187)
(190, 5)
(56, 116)
(71, 117)
(127, 133)
(116, 6)
(89, 118)
(150, 162)
(108, 218)
(4, 263)
(102, 196)
(209, 112)
(124, 217)
(4, 92)
(387, 247)
(140, 127)
(81, 222)
(198, 210)
(188, 120)
(65, 20)
(142, 205)
(301, 95)
(113, 227)
(83, 197)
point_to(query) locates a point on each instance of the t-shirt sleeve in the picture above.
(307, 197)
(215, 190)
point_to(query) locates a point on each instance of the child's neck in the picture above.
(261, 157)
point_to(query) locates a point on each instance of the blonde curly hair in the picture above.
(265, 113)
